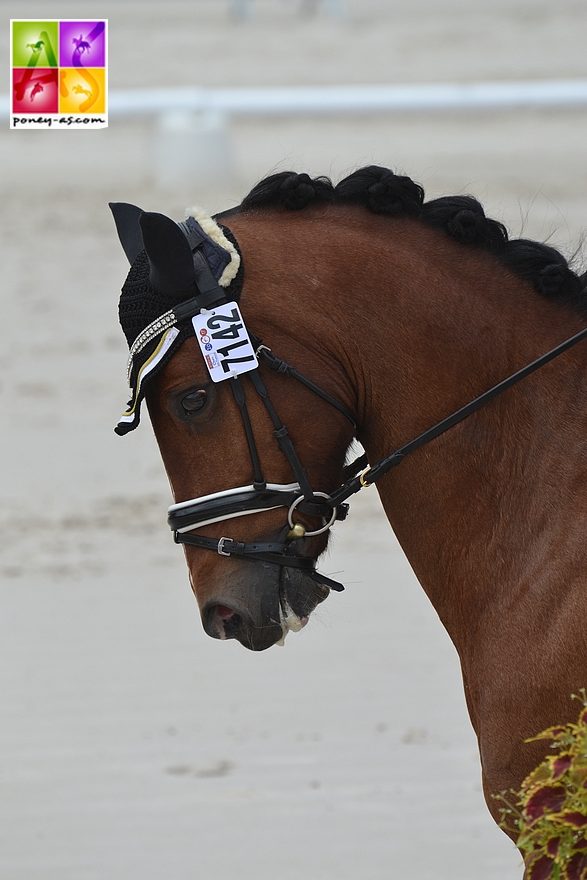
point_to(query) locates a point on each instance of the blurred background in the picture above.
(131, 744)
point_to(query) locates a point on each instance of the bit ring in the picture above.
(325, 526)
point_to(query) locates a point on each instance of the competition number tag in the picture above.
(224, 342)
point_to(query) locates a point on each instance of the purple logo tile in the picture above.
(82, 43)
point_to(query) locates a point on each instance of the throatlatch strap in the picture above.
(280, 366)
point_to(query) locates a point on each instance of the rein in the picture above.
(371, 474)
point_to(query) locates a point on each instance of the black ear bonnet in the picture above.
(140, 303)
(157, 319)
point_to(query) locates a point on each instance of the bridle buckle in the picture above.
(221, 550)
(363, 478)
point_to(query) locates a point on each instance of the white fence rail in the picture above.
(337, 100)
(192, 124)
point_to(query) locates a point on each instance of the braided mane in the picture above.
(461, 217)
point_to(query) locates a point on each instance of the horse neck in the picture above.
(427, 326)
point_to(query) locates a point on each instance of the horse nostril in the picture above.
(224, 612)
(221, 622)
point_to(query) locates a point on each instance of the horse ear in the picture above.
(170, 256)
(126, 218)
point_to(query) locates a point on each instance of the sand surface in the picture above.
(132, 745)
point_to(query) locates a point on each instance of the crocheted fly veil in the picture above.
(176, 269)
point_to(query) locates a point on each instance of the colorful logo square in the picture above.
(82, 90)
(82, 43)
(59, 73)
(35, 90)
(35, 44)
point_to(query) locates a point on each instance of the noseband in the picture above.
(298, 496)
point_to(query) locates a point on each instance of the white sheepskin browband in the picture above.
(211, 228)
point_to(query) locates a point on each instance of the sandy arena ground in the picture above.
(131, 745)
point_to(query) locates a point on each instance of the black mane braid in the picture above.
(462, 217)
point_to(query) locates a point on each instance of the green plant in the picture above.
(548, 815)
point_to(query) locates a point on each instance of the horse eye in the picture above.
(194, 402)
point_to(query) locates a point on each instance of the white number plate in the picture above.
(224, 342)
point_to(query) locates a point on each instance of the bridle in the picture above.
(186, 517)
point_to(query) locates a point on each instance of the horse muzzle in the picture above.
(258, 605)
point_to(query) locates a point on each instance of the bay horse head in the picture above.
(241, 462)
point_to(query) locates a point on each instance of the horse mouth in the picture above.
(298, 597)
(290, 621)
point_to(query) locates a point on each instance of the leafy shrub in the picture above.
(548, 815)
